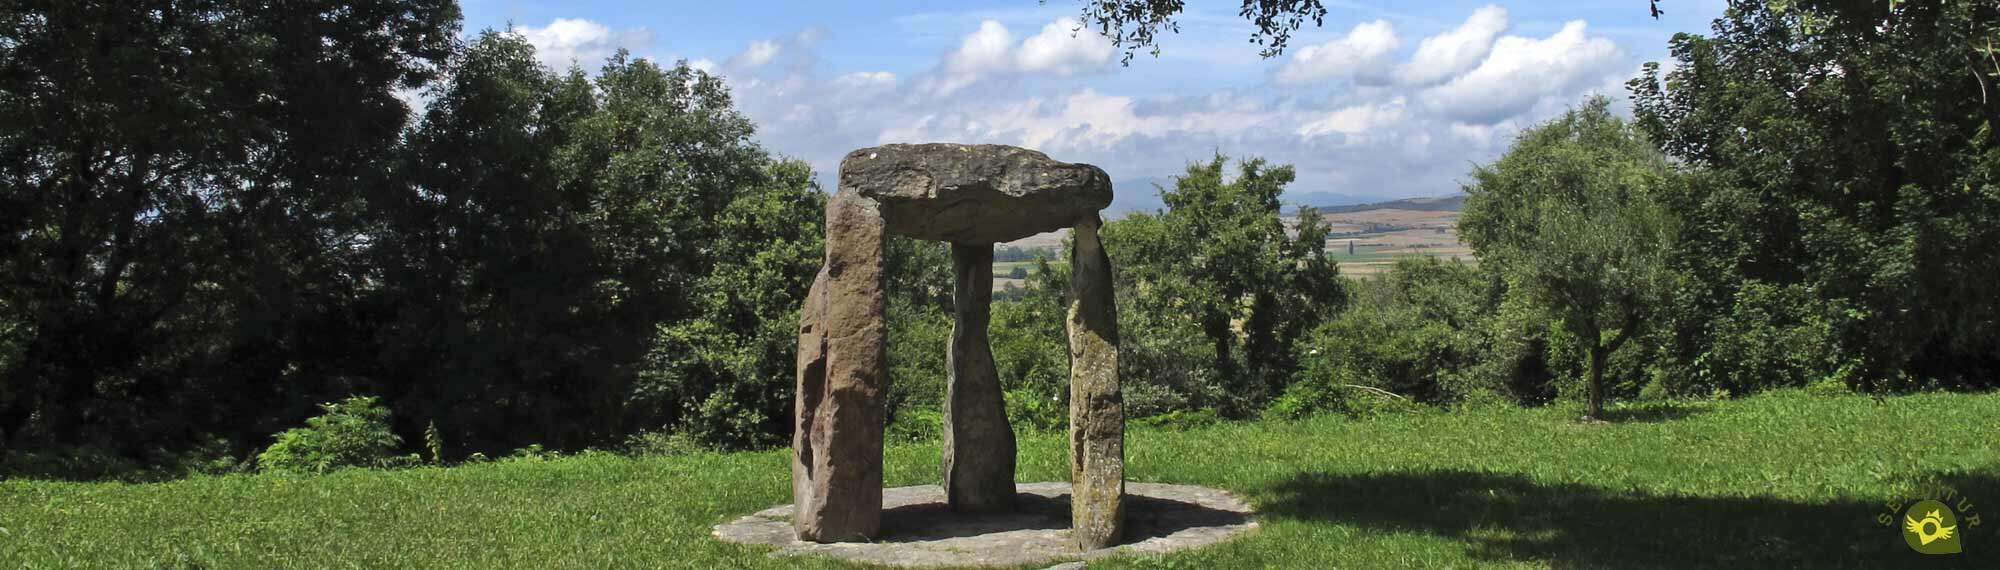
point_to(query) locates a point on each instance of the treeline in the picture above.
(1810, 197)
(218, 215)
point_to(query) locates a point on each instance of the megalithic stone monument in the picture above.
(1096, 407)
(978, 461)
(971, 196)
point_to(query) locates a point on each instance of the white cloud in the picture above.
(1396, 137)
(866, 80)
(1446, 55)
(759, 53)
(1362, 55)
(568, 40)
(990, 51)
(1521, 72)
(1355, 120)
(1064, 48)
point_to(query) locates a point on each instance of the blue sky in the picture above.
(1385, 100)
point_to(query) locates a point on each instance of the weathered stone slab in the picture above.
(1096, 404)
(842, 381)
(973, 193)
(978, 443)
(918, 530)
(971, 196)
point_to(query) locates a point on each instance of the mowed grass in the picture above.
(1785, 480)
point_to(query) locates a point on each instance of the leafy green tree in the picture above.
(1220, 260)
(1846, 197)
(1571, 221)
(180, 206)
(578, 259)
(731, 364)
(484, 255)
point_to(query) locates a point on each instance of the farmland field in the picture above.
(1379, 237)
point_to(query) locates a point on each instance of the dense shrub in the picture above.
(351, 433)
(1426, 331)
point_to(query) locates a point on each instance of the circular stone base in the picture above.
(917, 529)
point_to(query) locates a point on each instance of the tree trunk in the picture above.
(1596, 412)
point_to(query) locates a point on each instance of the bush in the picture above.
(661, 444)
(1182, 420)
(916, 425)
(352, 433)
(1427, 331)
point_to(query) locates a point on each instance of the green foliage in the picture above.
(353, 432)
(729, 368)
(565, 258)
(1031, 353)
(434, 443)
(1182, 420)
(181, 191)
(1843, 220)
(1494, 488)
(919, 344)
(916, 424)
(533, 452)
(1216, 278)
(1570, 219)
(1425, 332)
(660, 444)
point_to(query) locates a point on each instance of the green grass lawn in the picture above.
(1777, 481)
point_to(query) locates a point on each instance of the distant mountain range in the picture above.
(1452, 203)
(1143, 195)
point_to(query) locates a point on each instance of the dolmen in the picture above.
(971, 196)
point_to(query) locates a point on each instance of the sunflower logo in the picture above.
(1931, 528)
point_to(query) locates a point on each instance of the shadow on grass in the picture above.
(1502, 517)
(1145, 518)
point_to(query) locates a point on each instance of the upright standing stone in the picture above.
(1096, 407)
(971, 196)
(842, 382)
(978, 444)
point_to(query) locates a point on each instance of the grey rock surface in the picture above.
(1096, 402)
(919, 530)
(978, 462)
(973, 193)
(843, 379)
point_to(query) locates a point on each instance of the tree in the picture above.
(1847, 194)
(1570, 219)
(1221, 261)
(573, 259)
(180, 206)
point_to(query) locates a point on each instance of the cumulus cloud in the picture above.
(1355, 119)
(1521, 72)
(568, 40)
(759, 53)
(1061, 48)
(1363, 55)
(1064, 48)
(1449, 54)
(1366, 121)
(866, 80)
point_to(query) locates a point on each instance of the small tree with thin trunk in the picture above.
(1570, 219)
